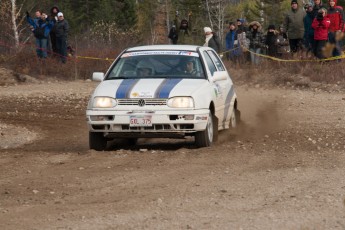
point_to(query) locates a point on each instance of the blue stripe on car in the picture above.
(125, 88)
(166, 87)
(227, 103)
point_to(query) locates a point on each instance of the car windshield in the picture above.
(157, 64)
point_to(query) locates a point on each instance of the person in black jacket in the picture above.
(271, 41)
(53, 18)
(173, 35)
(211, 40)
(61, 29)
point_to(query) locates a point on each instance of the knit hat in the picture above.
(294, 2)
(241, 20)
(271, 27)
(306, 6)
(207, 29)
(60, 14)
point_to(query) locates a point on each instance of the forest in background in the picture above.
(126, 23)
(101, 29)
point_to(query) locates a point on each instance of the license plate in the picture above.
(138, 121)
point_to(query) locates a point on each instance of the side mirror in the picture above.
(97, 76)
(219, 76)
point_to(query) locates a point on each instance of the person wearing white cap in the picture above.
(211, 40)
(61, 29)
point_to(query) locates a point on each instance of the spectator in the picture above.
(211, 40)
(243, 42)
(53, 17)
(317, 6)
(294, 27)
(184, 28)
(33, 21)
(41, 28)
(61, 29)
(241, 24)
(335, 15)
(283, 43)
(173, 35)
(271, 41)
(256, 41)
(320, 24)
(232, 44)
(308, 30)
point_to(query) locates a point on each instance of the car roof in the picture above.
(165, 47)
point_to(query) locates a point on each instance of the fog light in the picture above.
(189, 117)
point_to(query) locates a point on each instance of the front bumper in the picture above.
(163, 123)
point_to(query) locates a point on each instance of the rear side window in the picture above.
(216, 60)
(210, 63)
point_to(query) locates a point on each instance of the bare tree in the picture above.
(14, 16)
(12, 23)
(216, 13)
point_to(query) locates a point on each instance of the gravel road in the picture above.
(282, 169)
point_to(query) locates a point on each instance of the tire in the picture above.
(97, 141)
(206, 137)
(235, 118)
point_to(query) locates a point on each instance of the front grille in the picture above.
(148, 101)
(176, 127)
(153, 127)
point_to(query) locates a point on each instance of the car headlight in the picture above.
(181, 102)
(104, 102)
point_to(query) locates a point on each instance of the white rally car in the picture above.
(162, 91)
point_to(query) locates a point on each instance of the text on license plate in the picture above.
(145, 120)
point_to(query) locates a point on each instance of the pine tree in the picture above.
(268, 12)
(126, 15)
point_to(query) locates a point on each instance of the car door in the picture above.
(223, 89)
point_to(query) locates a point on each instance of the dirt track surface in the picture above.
(282, 169)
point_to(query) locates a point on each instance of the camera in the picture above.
(319, 16)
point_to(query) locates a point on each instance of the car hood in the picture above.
(149, 88)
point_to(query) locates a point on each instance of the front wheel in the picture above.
(206, 137)
(97, 141)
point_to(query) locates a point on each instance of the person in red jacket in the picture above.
(321, 25)
(336, 16)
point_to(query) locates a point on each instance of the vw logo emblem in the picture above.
(141, 102)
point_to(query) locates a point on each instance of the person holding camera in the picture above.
(321, 25)
(40, 27)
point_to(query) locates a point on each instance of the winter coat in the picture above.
(53, 16)
(321, 28)
(256, 38)
(336, 16)
(231, 42)
(271, 42)
(294, 24)
(230, 39)
(61, 29)
(308, 20)
(283, 44)
(173, 35)
(243, 40)
(39, 24)
(214, 43)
